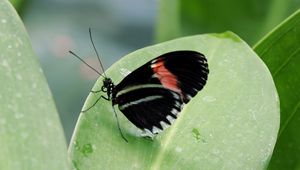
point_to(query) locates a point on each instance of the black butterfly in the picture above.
(152, 96)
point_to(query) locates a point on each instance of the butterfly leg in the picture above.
(103, 97)
(103, 89)
(97, 91)
(121, 133)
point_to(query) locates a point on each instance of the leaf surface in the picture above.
(231, 124)
(31, 136)
(280, 50)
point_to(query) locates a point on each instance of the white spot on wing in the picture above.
(164, 125)
(170, 119)
(174, 112)
(147, 133)
(156, 130)
(189, 97)
(201, 84)
(209, 99)
(153, 61)
(203, 79)
(177, 104)
(204, 71)
(201, 61)
(175, 95)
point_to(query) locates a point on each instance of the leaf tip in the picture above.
(227, 35)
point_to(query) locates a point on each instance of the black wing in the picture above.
(190, 69)
(156, 91)
(149, 107)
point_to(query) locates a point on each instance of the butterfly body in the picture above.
(153, 95)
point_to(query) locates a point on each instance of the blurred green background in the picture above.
(120, 27)
(57, 26)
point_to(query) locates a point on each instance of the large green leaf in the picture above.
(17, 4)
(249, 18)
(31, 135)
(281, 52)
(231, 124)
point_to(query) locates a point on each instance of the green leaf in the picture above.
(31, 135)
(249, 18)
(17, 4)
(280, 50)
(231, 124)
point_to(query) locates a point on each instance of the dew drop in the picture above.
(215, 151)
(34, 85)
(24, 135)
(178, 149)
(209, 99)
(4, 63)
(19, 115)
(136, 165)
(2, 121)
(18, 95)
(196, 134)
(87, 149)
(19, 77)
(76, 145)
(75, 165)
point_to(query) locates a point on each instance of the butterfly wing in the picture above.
(151, 107)
(182, 71)
(152, 95)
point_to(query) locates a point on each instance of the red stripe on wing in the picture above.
(166, 78)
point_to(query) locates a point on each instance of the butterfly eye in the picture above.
(104, 89)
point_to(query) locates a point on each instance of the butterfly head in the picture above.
(108, 85)
(107, 82)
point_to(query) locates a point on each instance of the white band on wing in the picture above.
(146, 99)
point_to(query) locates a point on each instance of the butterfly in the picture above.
(152, 96)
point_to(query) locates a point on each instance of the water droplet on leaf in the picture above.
(197, 135)
(87, 149)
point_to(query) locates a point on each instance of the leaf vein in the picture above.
(286, 61)
(296, 108)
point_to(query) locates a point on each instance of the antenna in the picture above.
(90, 32)
(85, 63)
